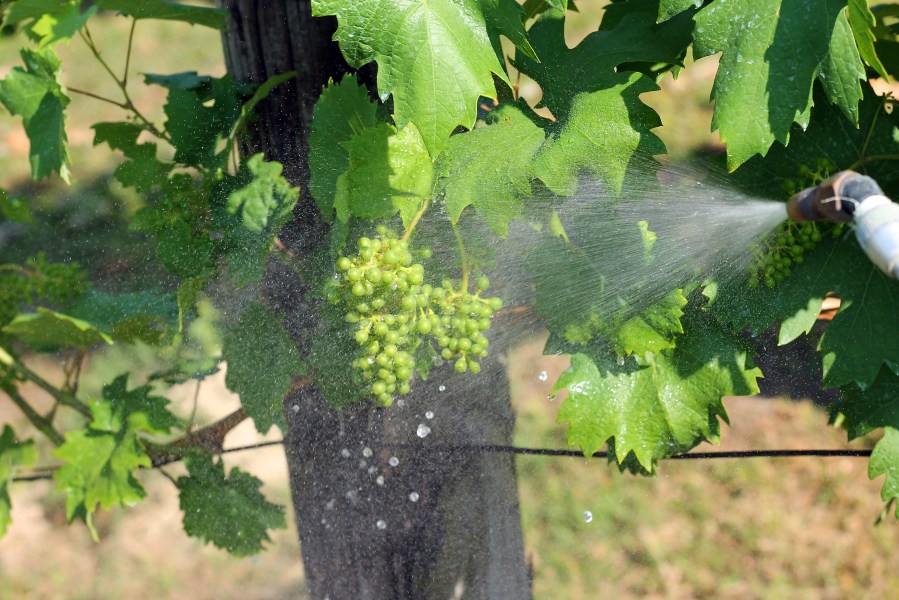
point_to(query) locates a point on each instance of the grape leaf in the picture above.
(440, 65)
(861, 20)
(259, 204)
(50, 21)
(49, 329)
(666, 405)
(148, 316)
(99, 461)
(655, 328)
(266, 202)
(489, 168)
(772, 51)
(196, 128)
(671, 8)
(885, 461)
(262, 361)
(601, 121)
(215, 18)
(389, 171)
(227, 510)
(142, 171)
(861, 411)
(34, 93)
(342, 111)
(13, 453)
(184, 252)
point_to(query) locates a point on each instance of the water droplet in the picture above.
(380, 480)
(620, 361)
(363, 463)
(414, 497)
(295, 408)
(551, 397)
(423, 430)
(400, 403)
(429, 414)
(381, 524)
(542, 376)
(366, 452)
(441, 388)
(588, 516)
(393, 461)
(384, 96)
(371, 470)
(345, 453)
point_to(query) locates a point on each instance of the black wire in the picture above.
(499, 449)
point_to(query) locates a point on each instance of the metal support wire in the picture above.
(500, 449)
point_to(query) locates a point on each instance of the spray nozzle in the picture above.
(834, 199)
(850, 196)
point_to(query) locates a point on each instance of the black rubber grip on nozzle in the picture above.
(858, 187)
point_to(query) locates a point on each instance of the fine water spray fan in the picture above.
(848, 196)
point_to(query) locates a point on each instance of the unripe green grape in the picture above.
(344, 263)
(379, 387)
(424, 326)
(404, 389)
(483, 283)
(474, 367)
(362, 336)
(354, 274)
(373, 274)
(446, 353)
(358, 289)
(495, 303)
(385, 399)
(461, 365)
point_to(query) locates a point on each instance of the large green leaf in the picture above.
(35, 94)
(149, 316)
(389, 171)
(142, 170)
(862, 411)
(489, 168)
(49, 329)
(201, 115)
(601, 121)
(262, 361)
(49, 21)
(216, 18)
(227, 510)
(885, 461)
(861, 20)
(99, 462)
(342, 111)
(14, 453)
(440, 63)
(771, 53)
(664, 404)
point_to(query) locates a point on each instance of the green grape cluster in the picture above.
(38, 281)
(785, 248)
(782, 252)
(393, 312)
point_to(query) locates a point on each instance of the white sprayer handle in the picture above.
(877, 230)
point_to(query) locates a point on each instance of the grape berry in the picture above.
(393, 312)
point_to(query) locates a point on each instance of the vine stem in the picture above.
(61, 396)
(41, 424)
(415, 219)
(128, 104)
(463, 255)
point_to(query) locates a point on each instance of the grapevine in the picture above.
(393, 313)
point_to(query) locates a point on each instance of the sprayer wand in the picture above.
(849, 196)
